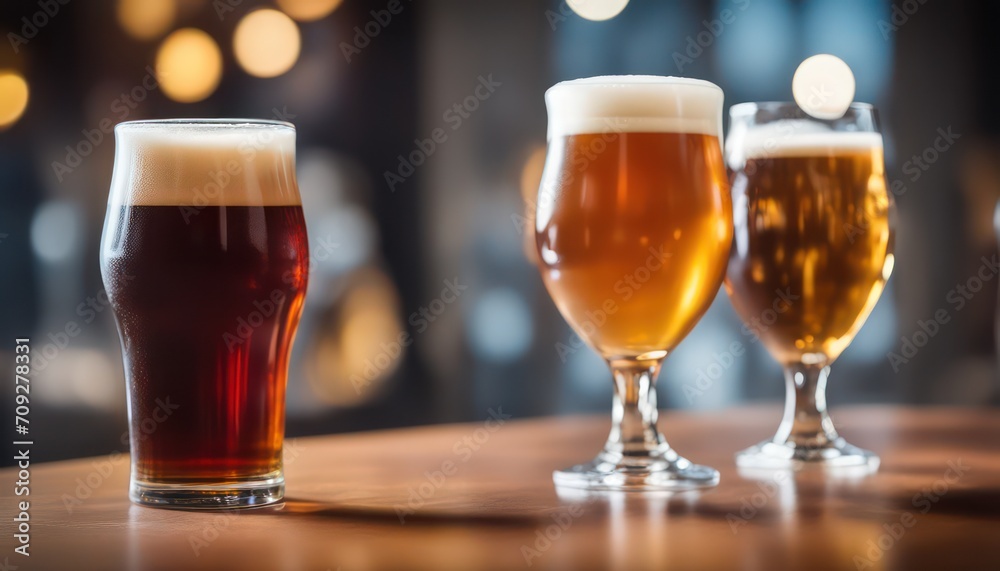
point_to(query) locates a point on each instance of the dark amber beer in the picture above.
(205, 261)
(812, 237)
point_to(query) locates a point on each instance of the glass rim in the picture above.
(748, 107)
(221, 123)
(632, 80)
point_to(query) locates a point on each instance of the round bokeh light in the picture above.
(188, 65)
(823, 86)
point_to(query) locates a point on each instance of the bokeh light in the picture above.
(823, 86)
(531, 179)
(308, 10)
(757, 52)
(531, 174)
(500, 326)
(13, 97)
(267, 43)
(597, 10)
(188, 65)
(358, 345)
(146, 19)
(83, 376)
(56, 231)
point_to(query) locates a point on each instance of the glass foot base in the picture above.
(208, 496)
(836, 455)
(658, 472)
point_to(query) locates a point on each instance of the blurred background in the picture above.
(394, 226)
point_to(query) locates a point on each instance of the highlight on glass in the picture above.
(813, 249)
(634, 185)
(205, 260)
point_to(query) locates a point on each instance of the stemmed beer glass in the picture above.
(811, 255)
(633, 229)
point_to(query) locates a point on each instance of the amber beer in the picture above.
(633, 231)
(813, 245)
(205, 261)
(633, 228)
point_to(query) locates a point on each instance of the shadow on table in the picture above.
(404, 514)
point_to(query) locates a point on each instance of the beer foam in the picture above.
(634, 103)
(797, 138)
(203, 162)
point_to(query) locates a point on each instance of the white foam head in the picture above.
(634, 103)
(795, 138)
(205, 162)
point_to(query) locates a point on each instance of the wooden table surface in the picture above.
(463, 497)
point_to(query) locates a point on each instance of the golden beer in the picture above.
(812, 250)
(633, 234)
(813, 244)
(633, 226)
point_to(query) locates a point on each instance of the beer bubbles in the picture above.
(823, 86)
(597, 10)
(267, 43)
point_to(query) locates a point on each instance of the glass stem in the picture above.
(633, 412)
(806, 422)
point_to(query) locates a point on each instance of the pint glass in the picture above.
(205, 260)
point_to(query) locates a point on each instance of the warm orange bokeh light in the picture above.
(13, 97)
(531, 179)
(146, 19)
(308, 10)
(189, 65)
(267, 43)
(360, 345)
